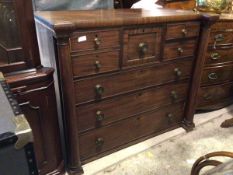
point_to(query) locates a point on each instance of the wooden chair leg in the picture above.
(204, 161)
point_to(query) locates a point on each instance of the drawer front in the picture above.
(108, 111)
(219, 56)
(180, 49)
(217, 75)
(223, 38)
(109, 85)
(107, 138)
(182, 30)
(141, 46)
(89, 41)
(214, 94)
(95, 63)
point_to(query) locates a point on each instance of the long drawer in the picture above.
(108, 111)
(212, 94)
(113, 84)
(218, 74)
(107, 138)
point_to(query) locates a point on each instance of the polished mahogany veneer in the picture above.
(125, 75)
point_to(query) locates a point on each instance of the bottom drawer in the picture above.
(213, 95)
(120, 133)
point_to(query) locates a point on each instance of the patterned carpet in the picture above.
(176, 155)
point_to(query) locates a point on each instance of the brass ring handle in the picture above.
(215, 56)
(143, 48)
(99, 90)
(180, 50)
(97, 42)
(97, 65)
(99, 116)
(174, 95)
(213, 76)
(170, 117)
(178, 72)
(207, 97)
(184, 31)
(219, 38)
(99, 142)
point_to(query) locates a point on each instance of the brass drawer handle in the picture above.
(184, 31)
(219, 38)
(99, 116)
(180, 50)
(97, 65)
(215, 56)
(213, 76)
(207, 97)
(99, 90)
(99, 142)
(97, 42)
(178, 72)
(170, 117)
(174, 95)
(143, 48)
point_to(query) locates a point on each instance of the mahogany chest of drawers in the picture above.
(125, 75)
(216, 88)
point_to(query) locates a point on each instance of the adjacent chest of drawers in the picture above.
(125, 75)
(217, 75)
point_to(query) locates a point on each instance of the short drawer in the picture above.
(218, 74)
(100, 87)
(222, 38)
(211, 95)
(182, 30)
(219, 56)
(94, 40)
(96, 115)
(92, 64)
(141, 46)
(107, 138)
(179, 49)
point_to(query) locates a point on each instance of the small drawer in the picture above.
(182, 30)
(92, 64)
(221, 39)
(98, 88)
(100, 114)
(211, 95)
(179, 49)
(219, 56)
(106, 138)
(141, 46)
(91, 41)
(215, 75)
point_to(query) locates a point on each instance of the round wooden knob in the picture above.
(97, 65)
(99, 89)
(180, 50)
(99, 116)
(174, 95)
(178, 72)
(170, 117)
(184, 31)
(97, 42)
(99, 142)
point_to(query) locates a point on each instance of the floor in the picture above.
(160, 154)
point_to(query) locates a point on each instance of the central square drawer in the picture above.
(141, 46)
